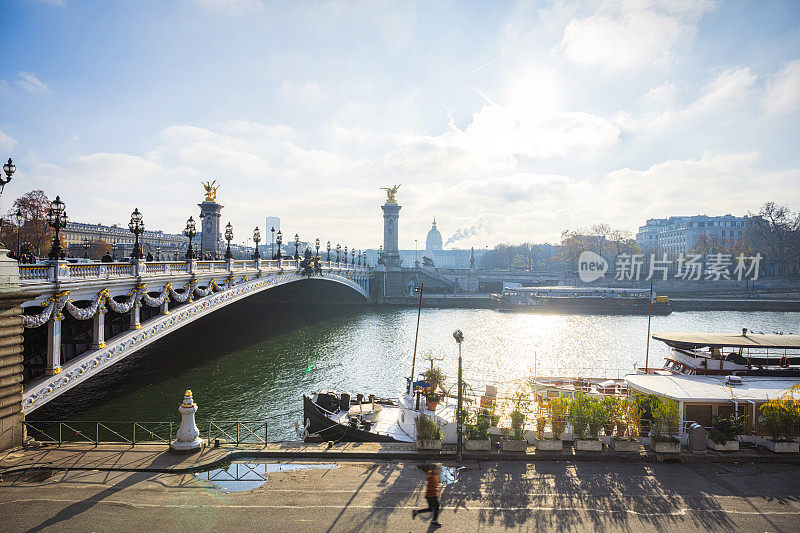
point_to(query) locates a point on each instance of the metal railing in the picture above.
(81, 431)
(238, 432)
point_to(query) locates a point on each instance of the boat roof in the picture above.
(706, 388)
(516, 287)
(693, 340)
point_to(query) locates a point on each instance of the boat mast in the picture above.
(649, 315)
(416, 337)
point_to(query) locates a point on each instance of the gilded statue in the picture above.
(211, 190)
(390, 192)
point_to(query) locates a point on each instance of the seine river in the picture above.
(257, 367)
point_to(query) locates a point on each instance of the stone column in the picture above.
(99, 329)
(391, 256)
(54, 344)
(11, 416)
(209, 238)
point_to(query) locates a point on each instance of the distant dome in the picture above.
(434, 239)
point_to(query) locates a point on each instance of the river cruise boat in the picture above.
(584, 300)
(341, 417)
(745, 354)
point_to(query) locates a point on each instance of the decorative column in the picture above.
(210, 236)
(136, 313)
(11, 416)
(99, 329)
(187, 438)
(54, 343)
(391, 254)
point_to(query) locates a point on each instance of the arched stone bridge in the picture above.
(90, 291)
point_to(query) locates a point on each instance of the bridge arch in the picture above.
(334, 284)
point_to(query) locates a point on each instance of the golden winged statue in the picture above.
(211, 190)
(390, 192)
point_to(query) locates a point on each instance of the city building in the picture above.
(120, 239)
(433, 242)
(272, 222)
(678, 235)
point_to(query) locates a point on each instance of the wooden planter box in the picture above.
(729, 446)
(514, 446)
(665, 447)
(478, 445)
(429, 444)
(782, 447)
(589, 445)
(549, 445)
(624, 445)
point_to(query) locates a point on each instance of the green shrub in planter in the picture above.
(477, 427)
(578, 415)
(611, 407)
(598, 417)
(782, 416)
(427, 428)
(558, 409)
(666, 420)
(726, 428)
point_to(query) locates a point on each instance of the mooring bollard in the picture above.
(187, 438)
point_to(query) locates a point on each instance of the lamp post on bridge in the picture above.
(158, 253)
(345, 256)
(57, 219)
(329, 252)
(190, 231)
(272, 251)
(9, 170)
(459, 337)
(296, 247)
(338, 249)
(279, 240)
(18, 220)
(353, 256)
(256, 239)
(85, 244)
(202, 251)
(136, 225)
(228, 237)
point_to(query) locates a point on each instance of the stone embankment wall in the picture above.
(11, 415)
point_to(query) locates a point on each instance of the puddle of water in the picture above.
(238, 477)
(449, 473)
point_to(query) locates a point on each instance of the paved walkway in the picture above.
(158, 458)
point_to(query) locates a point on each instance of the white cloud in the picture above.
(235, 8)
(29, 82)
(725, 91)
(309, 91)
(6, 142)
(632, 34)
(782, 94)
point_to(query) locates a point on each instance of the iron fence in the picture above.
(61, 431)
(237, 431)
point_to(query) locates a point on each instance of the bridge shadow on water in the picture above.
(228, 357)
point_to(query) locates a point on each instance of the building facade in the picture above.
(678, 235)
(120, 239)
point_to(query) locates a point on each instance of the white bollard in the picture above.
(188, 436)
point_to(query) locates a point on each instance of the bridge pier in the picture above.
(11, 416)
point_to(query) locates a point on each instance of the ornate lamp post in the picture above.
(296, 246)
(137, 228)
(228, 237)
(360, 254)
(272, 252)
(57, 219)
(190, 231)
(316, 245)
(18, 220)
(202, 252)
(345, 255)
(338, 249)
(459, 337)
(329, 252)
(279, 240)
(256, 239)
(8, 169)
(85, 245)
(158, 253)
(353, 256)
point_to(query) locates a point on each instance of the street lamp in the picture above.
(316, 245)
(279, 241)
(202, 250)
(85, 245)
(137, 228)
(329, 252)
(296, 246)
(360, 253)
(338, 249)
(18, 220)
(345, 256)
(56, 219)
(228, 237)
(272, 252)
(9, 169)
(190, 231)
(459, 337)
(353, 256)
(256, 239)
(158, 253)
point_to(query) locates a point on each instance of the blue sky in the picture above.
(519, 119)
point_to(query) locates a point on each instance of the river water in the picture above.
(258, 368)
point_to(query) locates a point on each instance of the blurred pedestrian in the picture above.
(432, 495)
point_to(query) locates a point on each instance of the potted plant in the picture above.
(724, 433)
(557, 413)
(435, 379)
(627, 424)
(610, 404)
(511, 440)
(477, 433)
(586, 422)
(782, 419)
(645, 404)
(665, 424)
(429, 435)
(432, 400)
(520, 402)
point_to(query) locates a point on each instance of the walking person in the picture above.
(432, 495)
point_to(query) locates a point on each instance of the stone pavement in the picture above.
(157, 457)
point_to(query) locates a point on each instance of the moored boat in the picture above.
(582, 300)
